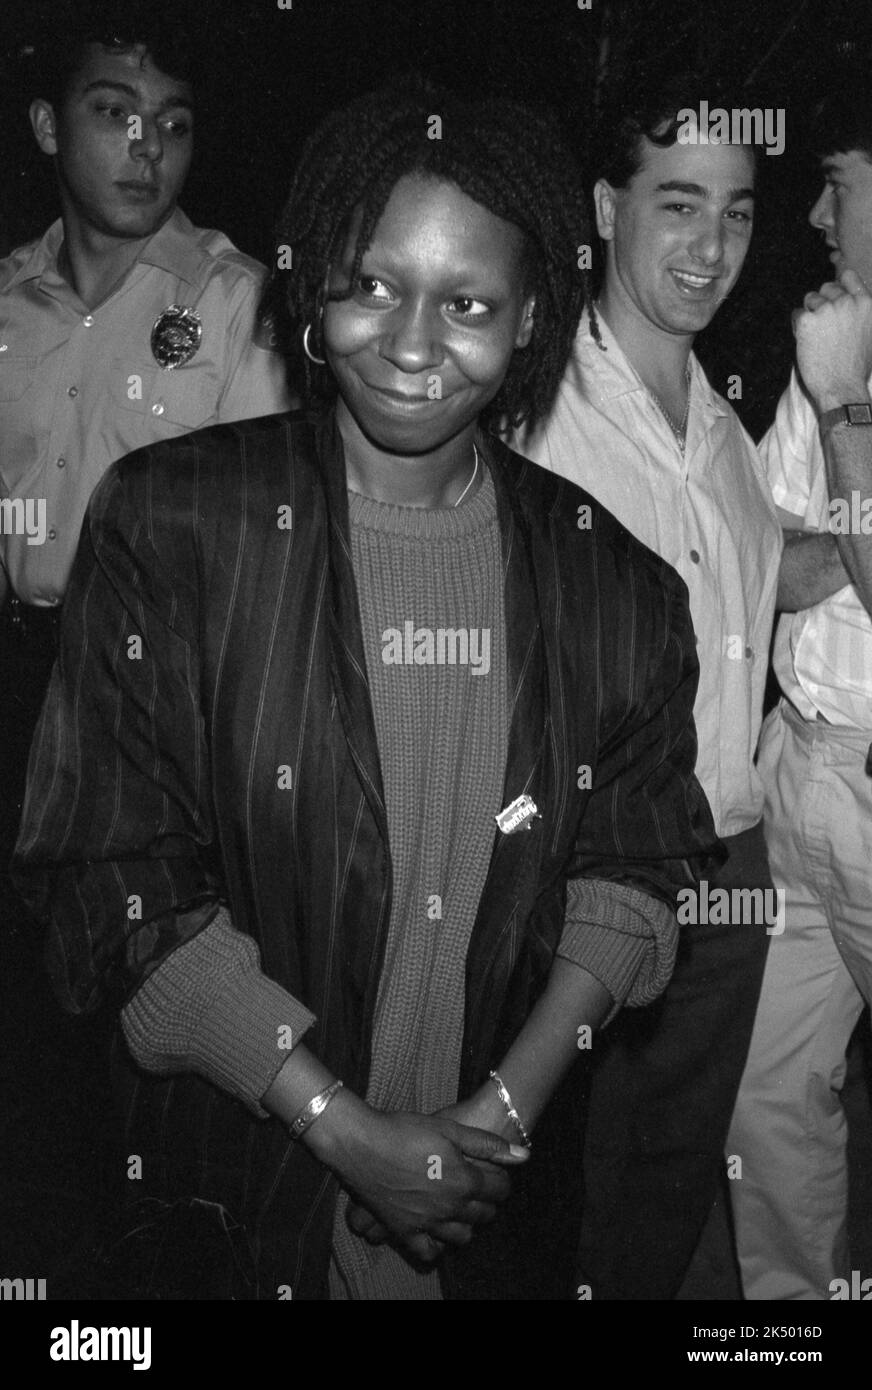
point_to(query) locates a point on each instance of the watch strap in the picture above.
(859, 414)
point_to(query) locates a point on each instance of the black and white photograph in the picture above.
(436, 670)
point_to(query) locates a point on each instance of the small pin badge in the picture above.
(175, 336)
(519, 812)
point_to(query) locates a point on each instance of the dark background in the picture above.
(268, 75)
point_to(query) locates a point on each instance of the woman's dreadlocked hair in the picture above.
(511, 160)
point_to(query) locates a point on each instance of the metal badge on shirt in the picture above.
(175, 336)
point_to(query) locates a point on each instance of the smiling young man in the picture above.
(122, 325)
(816, 758)
(638, 425)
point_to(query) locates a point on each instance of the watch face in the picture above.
(858, 414)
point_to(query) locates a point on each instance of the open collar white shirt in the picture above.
(823, 655)
(708, 512)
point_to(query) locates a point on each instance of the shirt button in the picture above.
(749, 652)
(73, 391)
(157, 409)
(694, 555)
(88, 320)
(52, 535)
(62, 463)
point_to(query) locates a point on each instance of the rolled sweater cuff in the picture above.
(209, 1009)
(623, 937)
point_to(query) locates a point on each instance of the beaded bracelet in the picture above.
(510, 1109)
(317, 1105)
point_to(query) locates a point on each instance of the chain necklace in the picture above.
(472, 479)
(465, 490)
(679, 430)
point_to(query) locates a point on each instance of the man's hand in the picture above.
(834, 357)
(834, 342)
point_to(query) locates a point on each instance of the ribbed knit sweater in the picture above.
(431, 599)
(442, 731)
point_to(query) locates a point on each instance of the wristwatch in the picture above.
(846, 415)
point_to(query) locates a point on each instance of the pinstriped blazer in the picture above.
(211, 638)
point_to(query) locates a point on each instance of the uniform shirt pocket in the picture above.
(17, 375)
(18, 410)
(170, 402)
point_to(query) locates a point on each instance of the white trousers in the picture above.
(789, 1128)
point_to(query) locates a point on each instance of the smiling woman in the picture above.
(422, 343)
(333, 923)
(522, 212)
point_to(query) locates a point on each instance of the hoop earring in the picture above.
(319, 361)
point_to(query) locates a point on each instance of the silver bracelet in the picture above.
(317, 1105)
(510, 1109)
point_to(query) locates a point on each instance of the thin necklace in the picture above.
(472, 479)
(680, 431)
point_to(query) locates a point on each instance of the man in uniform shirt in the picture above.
(637, 424)
(789, 1128)
(94, 362)
(121, 326)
